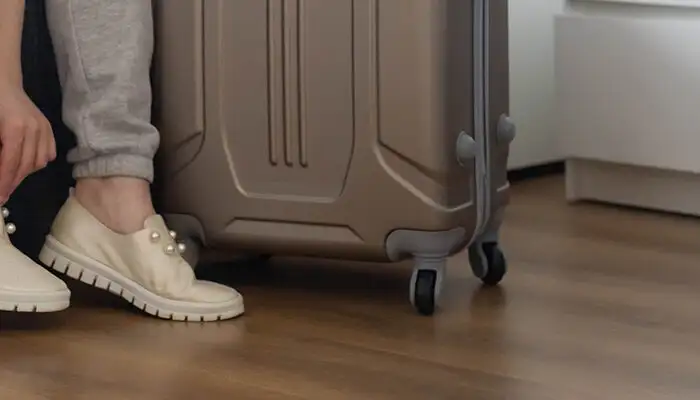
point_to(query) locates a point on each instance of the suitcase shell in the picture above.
(371, 130)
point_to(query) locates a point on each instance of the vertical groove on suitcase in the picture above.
(302, 81)
(290, 83)
(272, 79)
(287, 84)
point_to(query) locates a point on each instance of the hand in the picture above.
(26, 139)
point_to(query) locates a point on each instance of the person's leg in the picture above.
(103, 50)
(108, 234)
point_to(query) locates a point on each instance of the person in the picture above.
(107, 234)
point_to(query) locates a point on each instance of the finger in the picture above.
(41, 153)
(44, 147)
(29, 144)
(10, 155)
(51, 143)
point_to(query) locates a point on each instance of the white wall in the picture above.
(532, 81)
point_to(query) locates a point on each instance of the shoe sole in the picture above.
(61, 258)
(35, 303)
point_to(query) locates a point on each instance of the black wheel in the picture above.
(425, 289)
(488, 262)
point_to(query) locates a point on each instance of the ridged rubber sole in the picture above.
(48, 303)
(62, 259)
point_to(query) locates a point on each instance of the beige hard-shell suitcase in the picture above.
(372, 130)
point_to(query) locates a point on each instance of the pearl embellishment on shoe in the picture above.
(5, 212)
(10, 228)
(169, 249)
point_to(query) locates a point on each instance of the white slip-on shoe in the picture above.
(26, 286)
(145, 268)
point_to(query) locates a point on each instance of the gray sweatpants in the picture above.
(103, 51)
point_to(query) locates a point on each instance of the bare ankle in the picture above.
(120, 203)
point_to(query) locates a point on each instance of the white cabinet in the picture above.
(628, 101)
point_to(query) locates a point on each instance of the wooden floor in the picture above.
(599, 303)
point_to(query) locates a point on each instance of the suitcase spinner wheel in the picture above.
(425, 291)
(427, 283)
(487, 261)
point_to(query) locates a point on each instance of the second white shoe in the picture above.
(145, 268)
(26, 286)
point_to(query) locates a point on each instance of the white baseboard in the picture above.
(655, 189)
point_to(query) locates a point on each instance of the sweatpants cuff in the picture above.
(115, 165)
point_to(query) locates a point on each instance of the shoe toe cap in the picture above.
(210, 292)
(19, 273)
